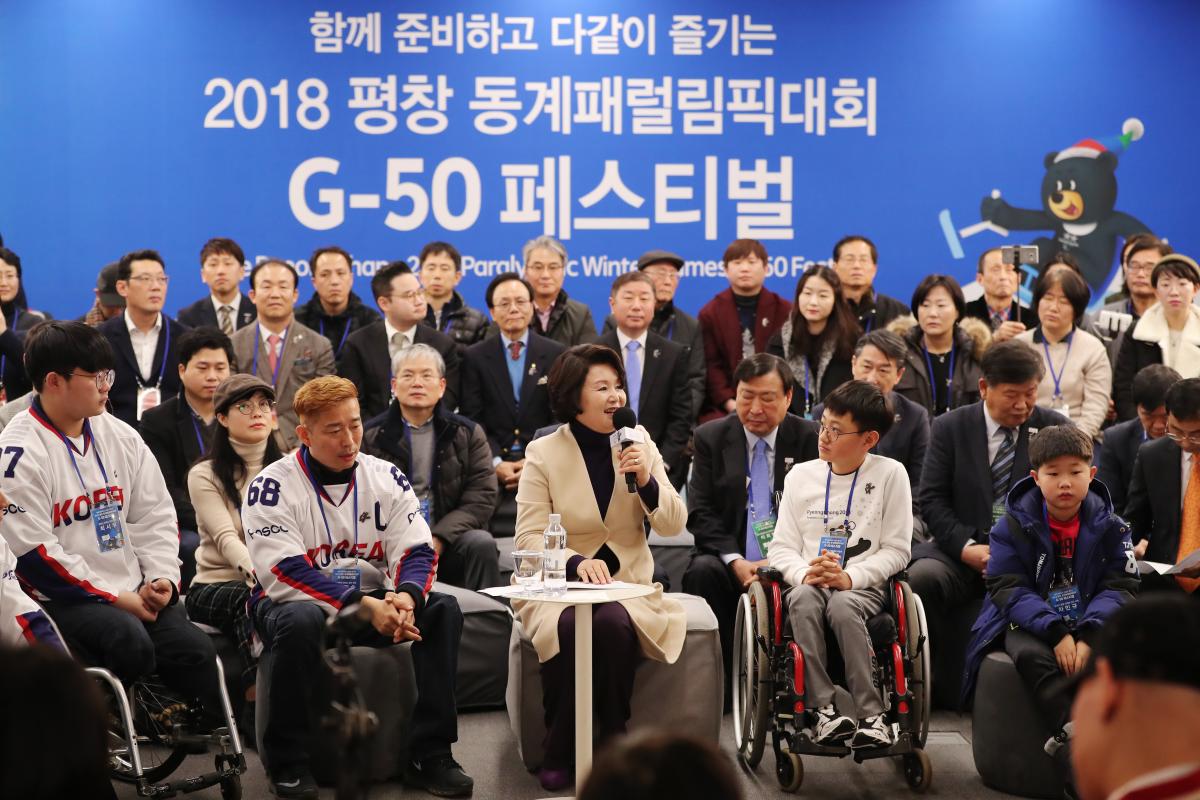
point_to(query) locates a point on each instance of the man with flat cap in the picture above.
(669, 322)
(1137, 705)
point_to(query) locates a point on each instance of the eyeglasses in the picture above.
(544, 268)
(1140, 266)
(103, 379)
(408, 297)
(663, 274)
(833, 434)
(504, 305)
(1190, 438)
(855, 260)
(153, 280)
(248, 407)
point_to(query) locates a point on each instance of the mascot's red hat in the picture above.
(1131, 131)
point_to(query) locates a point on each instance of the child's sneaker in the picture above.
(872, 732)
(831, 727)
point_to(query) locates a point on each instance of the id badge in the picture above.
(1058, 404)
(107, 519)
(998, 512)
(764, 532)
(1065, 602)
(425, 510)
(148, 397)
(836, 544)
(348, 573)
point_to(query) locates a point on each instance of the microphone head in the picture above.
(624, 417)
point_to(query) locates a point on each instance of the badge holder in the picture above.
(836, 540)
(425, 510)
(764, 533)
(348, 573)
(148, 397)
(110, 534)
(1065, 601)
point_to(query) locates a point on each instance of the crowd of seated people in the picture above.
(165, 437)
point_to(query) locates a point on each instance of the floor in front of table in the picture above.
(488, 752)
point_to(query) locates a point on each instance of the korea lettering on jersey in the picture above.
(21, 620)
(58, 485)
(301, 535)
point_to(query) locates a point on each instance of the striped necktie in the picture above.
(1002, 465)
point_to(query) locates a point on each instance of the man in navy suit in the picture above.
(976, 454)
(145, 340)
(505, 388)
(1121, 441)
(222, 266)
(720, 567)
(656, 371)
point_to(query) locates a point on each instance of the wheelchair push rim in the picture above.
(751, 665)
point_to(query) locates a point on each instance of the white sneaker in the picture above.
(872, 732)
(831, 727)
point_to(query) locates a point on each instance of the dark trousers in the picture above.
(471, 562)
(945, 589)
(1039, 671)
(223, 606)
(189, 541)
(182, 655)
(707, 576)
(295, 633)
(615, 655)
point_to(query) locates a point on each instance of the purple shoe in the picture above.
(553, 779)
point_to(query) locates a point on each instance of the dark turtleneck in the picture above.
(326, 476)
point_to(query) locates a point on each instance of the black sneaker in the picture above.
(294, 783)
(439, 775)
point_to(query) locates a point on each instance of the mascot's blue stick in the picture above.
(950, 233)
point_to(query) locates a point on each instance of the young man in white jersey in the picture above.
(328, 527)
(845, 527)
(22, 621)
(94, 530)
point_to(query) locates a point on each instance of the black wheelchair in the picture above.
(768, 684)
(152, 731)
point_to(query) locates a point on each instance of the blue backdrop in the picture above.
(627, 126)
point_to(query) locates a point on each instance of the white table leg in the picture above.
(583, 693)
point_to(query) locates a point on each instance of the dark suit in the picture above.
(122, 397)
(487, 398)
(664, 402)
(177, 440)
(956, 503)
(684, 329)
(201, 314)
(1121, 443)
(1153, 509)
(717, 508)
(366, 361)
(978, 308)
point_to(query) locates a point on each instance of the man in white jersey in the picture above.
(94, 530)
(328, 527)
(21, 619)
(845, 527)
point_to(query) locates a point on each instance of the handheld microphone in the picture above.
(625, 420)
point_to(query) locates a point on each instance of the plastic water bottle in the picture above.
(554, 559)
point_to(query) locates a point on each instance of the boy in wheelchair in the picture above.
(844, 528)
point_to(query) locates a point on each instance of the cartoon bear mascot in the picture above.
(1079, 193)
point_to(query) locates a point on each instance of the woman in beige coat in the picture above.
(577, 473)
(1078, 378)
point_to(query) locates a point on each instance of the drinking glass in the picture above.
(528, 571)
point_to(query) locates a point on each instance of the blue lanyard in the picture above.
(162, 370)
(199, 437)
(949, 376)
(323, 496)
(807, 395)
(88, 438)
(870, 323)
(849, 500)
(1057, 376)
(337, 351)
(278, 359)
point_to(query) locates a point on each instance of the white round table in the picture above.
(583, 600)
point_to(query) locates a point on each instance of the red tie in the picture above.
(514, 349)
(272, 355)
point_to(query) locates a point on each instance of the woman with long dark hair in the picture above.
(818, 338)
(17, 319)
(242, 445)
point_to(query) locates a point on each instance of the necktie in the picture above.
(273, 352)
(1189, 529)
(633, 374)
(1002, 465)
(760, 498)
(514, 350)
(998, 318)
(225, 318)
